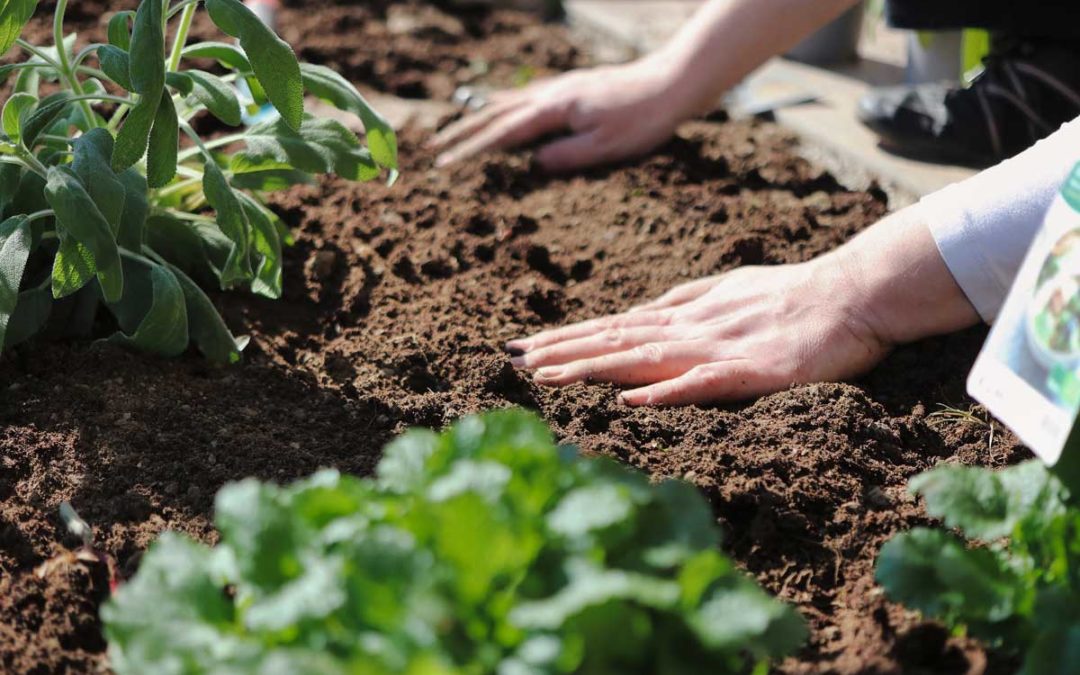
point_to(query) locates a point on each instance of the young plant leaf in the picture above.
(271, 180)
(119, 30)
(116, 64)
(272, 60)
(146, 70)
(164, 144)
(14, 110)
(47, 111)
(320, 146)
(233, 223)
(330, 86)
(205, 326)
(73, 267)
(163, 329)
(79, 217)
(31, 313)
(147, 51)
(14, 14)
(266, 245)
(227, 55)
(132, 230)
(16, 243)
(90, 163)
(10, 177)
(218, 97)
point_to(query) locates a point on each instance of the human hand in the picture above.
(745, 333)
(610, 112)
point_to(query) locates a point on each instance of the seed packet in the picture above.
(1028, 372)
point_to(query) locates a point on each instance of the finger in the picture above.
(651, 362)
(512, 128)
(574, 152)
(716, 381)
(680, 295)
(587, 328)
(469, 124)
(609, 341)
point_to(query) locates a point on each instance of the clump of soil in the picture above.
(396, 305)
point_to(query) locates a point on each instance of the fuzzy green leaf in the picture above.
(205, 326)
(233, 222)
(320, 146)
(271, 180)
(227, 55)
(164, 144)
(79, 217)
(92, 151)
(73, 267)
(16, 243)
(14, 110)
(48, 110)
(266, 244)
(272, 60)
(116, 64)
(132, 232)
(163, 329)
(14, 14)
(218, 97)
(31, 313)
(119, 30)
(134, 136)
(335, 89)
(147, 52)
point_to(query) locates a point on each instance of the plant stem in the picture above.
(31, 49)
(181, 35)
(202, 147)
(178, 7)
(38, 215)
(65, 66)
(210, 145)
(179, 187)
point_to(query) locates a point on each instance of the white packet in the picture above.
(1028, 372)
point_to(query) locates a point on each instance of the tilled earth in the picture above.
(397, 301)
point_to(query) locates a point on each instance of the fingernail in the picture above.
(516, 348)
(549, 373)
(442, 160)
(517, 361)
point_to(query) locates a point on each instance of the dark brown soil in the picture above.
(397, 302)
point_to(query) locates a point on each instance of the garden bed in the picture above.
(396, 303)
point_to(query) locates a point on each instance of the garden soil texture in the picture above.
(397, 301)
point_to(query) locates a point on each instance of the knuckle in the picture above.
(709, 375)
(614, 337)
(650, 353)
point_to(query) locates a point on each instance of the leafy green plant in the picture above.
(1017, 585)
(486, 549)
(113, 209)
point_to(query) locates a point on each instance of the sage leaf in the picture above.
(320, 146)
(90, 163)
(31, 313)
(331, 87)
(78, 216)
(73, 267)
(233, 222)
(218, 97)
(271, 58)
(205, 326)
(163, 147)
(116, 64)
(42, 117)
(163, 329)
(227, 55)
(14, 110)
(14, 14)
(119, 30)
(132, 232)
(266, 245)
(15, 246)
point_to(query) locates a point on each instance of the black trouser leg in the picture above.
(1018, 18)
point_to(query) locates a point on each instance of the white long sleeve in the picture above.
(983, 226)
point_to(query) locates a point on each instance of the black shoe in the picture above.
(1026, 91)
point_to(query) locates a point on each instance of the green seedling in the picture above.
(1012, 578)
(109, 198)
(486, 549)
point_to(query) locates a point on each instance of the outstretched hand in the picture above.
(746, 333)
(610, 113)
